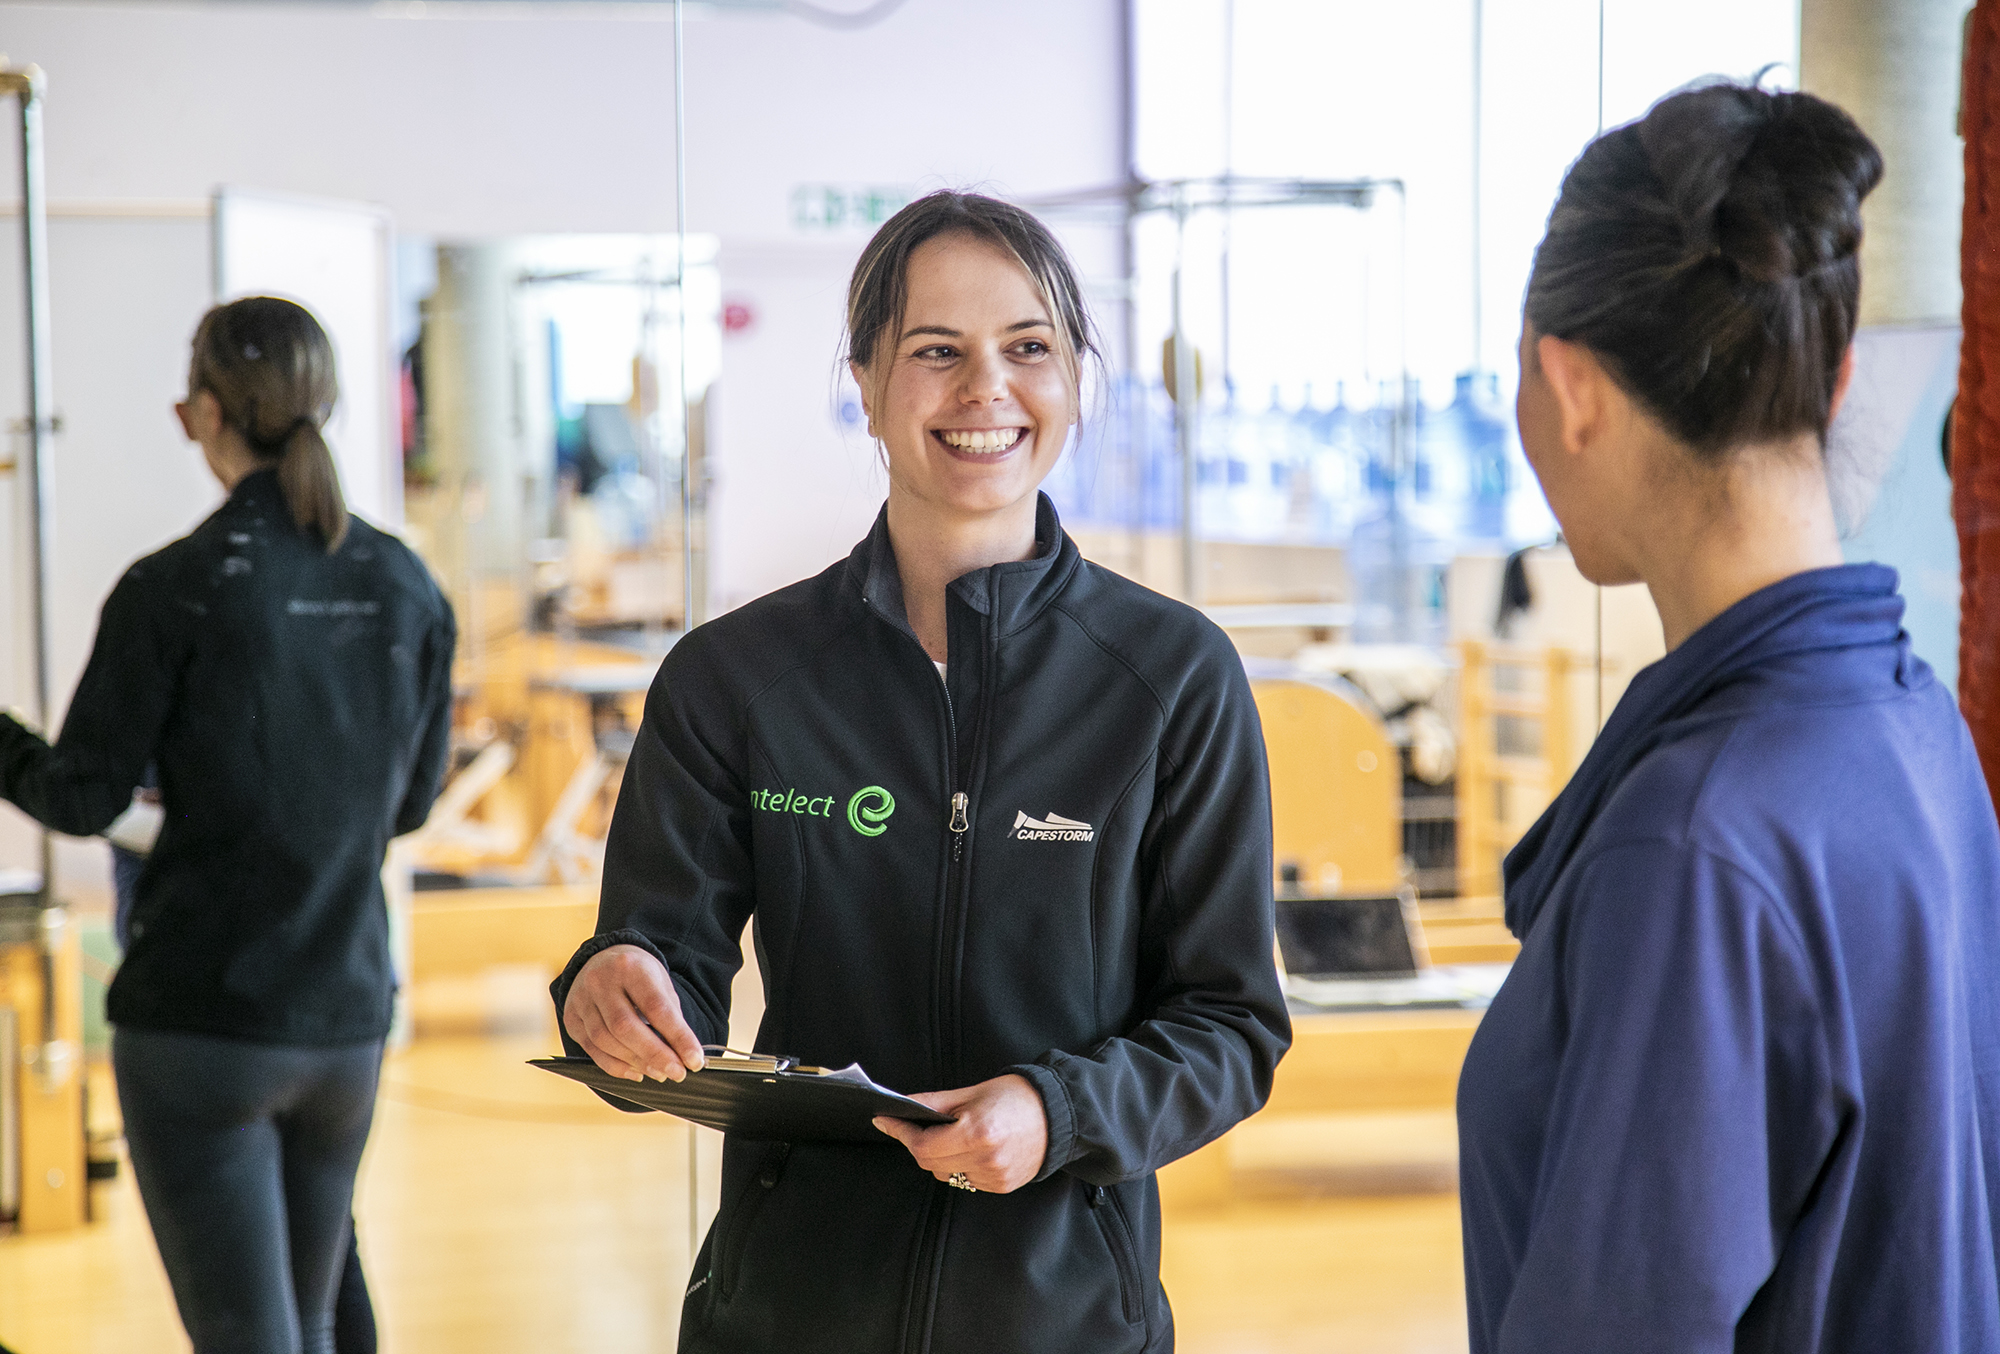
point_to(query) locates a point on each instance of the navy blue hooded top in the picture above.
(1741, 1091)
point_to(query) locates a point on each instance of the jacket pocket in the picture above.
(1117, 1230)
(733, 1242)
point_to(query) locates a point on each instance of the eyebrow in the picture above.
(943, 331)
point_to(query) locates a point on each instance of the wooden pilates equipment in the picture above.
(1515, 751)
(1336, 789)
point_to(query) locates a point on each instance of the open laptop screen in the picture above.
(1349, 936)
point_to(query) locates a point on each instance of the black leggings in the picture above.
(245, 1155)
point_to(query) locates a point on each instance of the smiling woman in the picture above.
(1050, 890)
(968, 338)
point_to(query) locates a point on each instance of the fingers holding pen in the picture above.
(624, 1012)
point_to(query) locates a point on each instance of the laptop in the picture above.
(1371, 935)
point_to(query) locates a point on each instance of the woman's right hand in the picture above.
(624, 1010)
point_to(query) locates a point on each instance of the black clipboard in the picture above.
(757, 1096)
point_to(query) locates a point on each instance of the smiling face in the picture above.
(977, 400)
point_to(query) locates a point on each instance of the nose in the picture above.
(985, 379)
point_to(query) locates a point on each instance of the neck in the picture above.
(231, 460)
(933, 548)
(1764, 518)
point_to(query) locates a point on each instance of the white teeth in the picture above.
(997, 439)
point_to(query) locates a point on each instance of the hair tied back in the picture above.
(1708, 254)
(270, 367)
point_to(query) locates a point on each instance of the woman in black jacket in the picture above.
(287, 668)
(1002, 821)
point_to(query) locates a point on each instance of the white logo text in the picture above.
(1054, 828)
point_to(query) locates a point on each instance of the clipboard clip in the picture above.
(725, 1059)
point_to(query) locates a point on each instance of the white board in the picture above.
(127, 289)
(333, 259)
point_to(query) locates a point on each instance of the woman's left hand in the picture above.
(998, 1143)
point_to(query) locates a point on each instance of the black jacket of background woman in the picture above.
(298, 706)
(1098, 921)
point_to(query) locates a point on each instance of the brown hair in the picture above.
(880, 288)
(270, 367)
(1706, 254)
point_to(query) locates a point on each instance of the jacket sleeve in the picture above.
(677, 866)
(1216, 1024)
(434, 745)
(1692, 1113)
(85, 780)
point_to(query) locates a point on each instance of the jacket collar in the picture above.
(1821, 611)
(257, 489)
(1012, 595)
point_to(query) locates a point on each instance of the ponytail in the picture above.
(270, 367)
(311, 485)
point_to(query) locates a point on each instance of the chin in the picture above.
(978, 500)
(1599, 568)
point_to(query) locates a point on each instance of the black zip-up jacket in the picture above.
(298, 707)
(1097, 919)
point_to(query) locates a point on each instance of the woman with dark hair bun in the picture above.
(286, 668)
(1741, 1091)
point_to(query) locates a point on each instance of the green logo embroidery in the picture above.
(868, 812)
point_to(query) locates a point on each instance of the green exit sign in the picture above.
(832, 207)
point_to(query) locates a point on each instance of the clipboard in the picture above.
(754, 1095)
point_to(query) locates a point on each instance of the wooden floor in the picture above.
(500, 1211)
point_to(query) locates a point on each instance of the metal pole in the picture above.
(1224, 354)
(681, 289)
(1597, 591)
(27, 86)
(687, 494)
(1187, 403)
(1478, 153)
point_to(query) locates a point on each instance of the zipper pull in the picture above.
(959, 823)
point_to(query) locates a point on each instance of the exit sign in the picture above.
(835, 207)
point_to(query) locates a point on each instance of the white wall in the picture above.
(125, 480)
(794, 488)
(502, 120)
(468, 123)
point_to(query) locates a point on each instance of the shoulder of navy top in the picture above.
(1821, 611)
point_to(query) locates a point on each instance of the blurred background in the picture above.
(588, 325)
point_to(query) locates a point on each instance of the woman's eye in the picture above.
(1033, 348)
(935, 353)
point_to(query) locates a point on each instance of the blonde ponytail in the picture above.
(270, 367)
(311, 485)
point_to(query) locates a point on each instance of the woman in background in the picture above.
(286, 667)
(1741, 1091)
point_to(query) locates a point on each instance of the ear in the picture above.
(1841, 380)
(1578, 382)
(861, 384)
(200, 415)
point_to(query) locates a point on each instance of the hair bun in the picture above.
(1707, 252)
(1771, 183)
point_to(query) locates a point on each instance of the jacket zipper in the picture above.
(958, 823)
(930, 1247)
(749, 1202)
(924, 1279)
(1118, 1236)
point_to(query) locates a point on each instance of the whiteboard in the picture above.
(332, 258)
